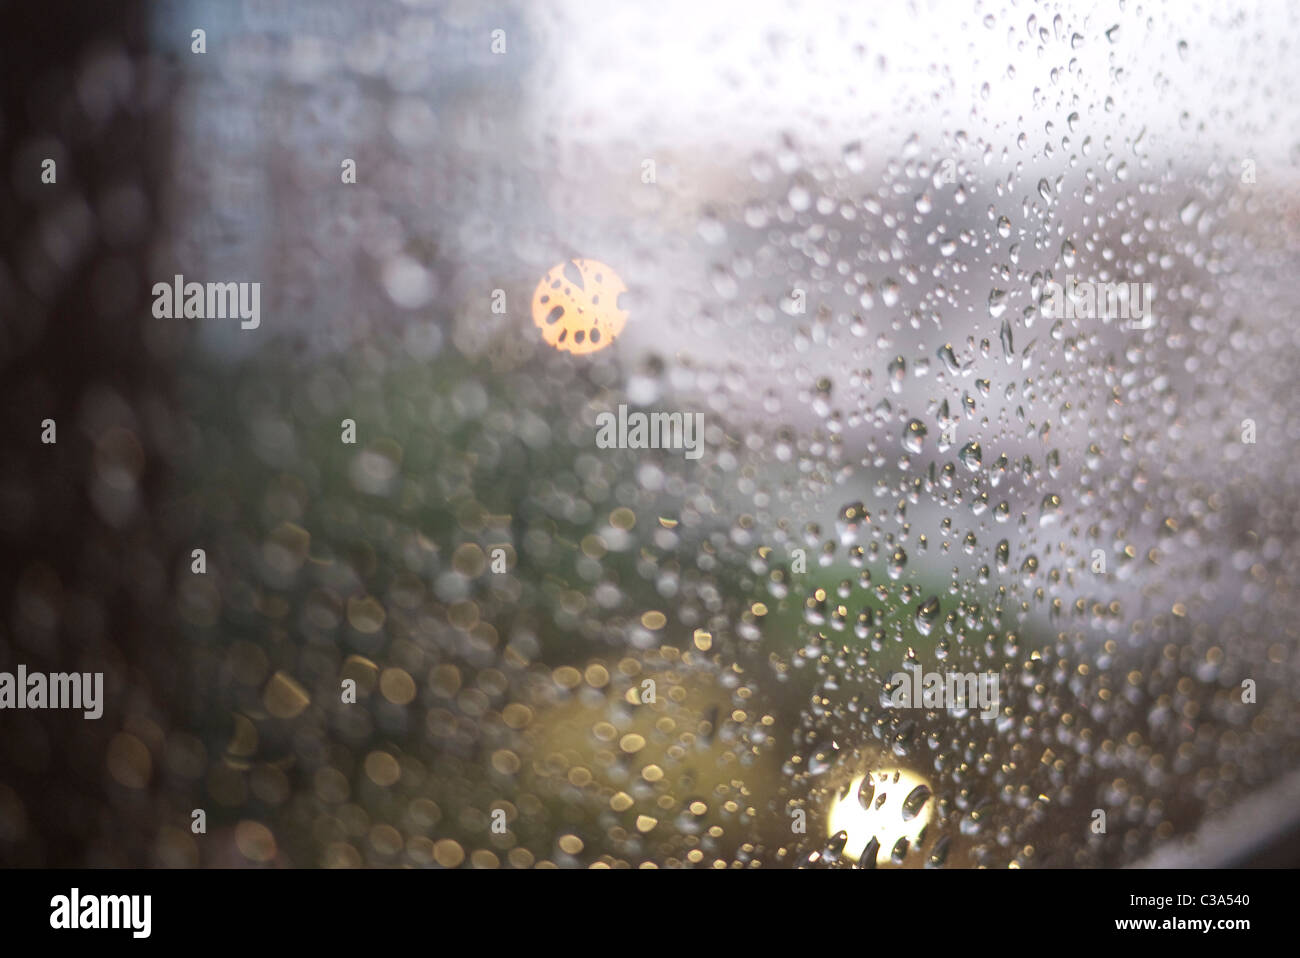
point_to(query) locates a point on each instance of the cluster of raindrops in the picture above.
(1069, 499)
(996, 383)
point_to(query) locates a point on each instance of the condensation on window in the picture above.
(984, 312)
(967, 534)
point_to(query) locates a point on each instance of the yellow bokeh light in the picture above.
(576, 306)
(898, 805)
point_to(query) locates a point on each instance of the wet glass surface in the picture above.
(975, 322)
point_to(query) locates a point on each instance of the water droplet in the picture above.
(926, 615)
(869, 853)
(914, 436)
(949, 360)
(915, 802)
(897, 563)
(853, 157)
(939, 854)
(897, 373)
(899, 854)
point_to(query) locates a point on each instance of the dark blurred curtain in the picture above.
(87, 563)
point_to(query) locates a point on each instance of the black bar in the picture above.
(923, 908)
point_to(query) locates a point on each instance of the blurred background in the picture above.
(836, 227)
